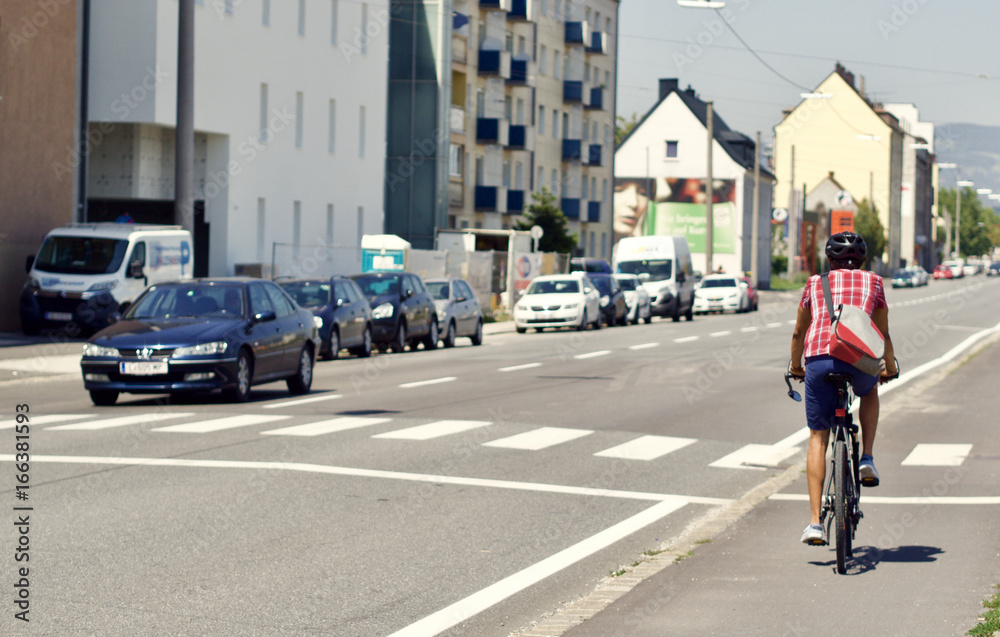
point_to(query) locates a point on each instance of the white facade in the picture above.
(289, 115)
(914, 132)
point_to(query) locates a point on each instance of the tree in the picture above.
(623, 127)
(867, 224)
(979, 227)
(545, 214)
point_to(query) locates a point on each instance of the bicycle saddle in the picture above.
(837, 378)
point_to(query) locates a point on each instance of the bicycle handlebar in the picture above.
(794, 395)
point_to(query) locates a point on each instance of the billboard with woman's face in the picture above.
(676, 206)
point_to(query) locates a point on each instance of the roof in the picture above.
(106, 229)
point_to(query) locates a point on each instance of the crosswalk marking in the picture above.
(326, 426)
(218, 424)
(928, 455)
(539, 438)
(646, 448)
(44, 420)
(755, 457)
(121, 421)
(434, 429)
(303, 401)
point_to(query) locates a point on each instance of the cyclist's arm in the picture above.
(880, 316)
(802, 321)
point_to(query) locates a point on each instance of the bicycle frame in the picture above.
(843, 430)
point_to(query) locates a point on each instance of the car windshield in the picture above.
(561, 286)
(627, 283)
(309, 293)
(437, 289)
(373, 285)
(657, 269)
(81, 255)
(718, 283)
(903, 274)
(189, 301)
(603, 284)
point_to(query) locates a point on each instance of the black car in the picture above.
(200, 335)
(994, 269)
(403, 311)
(614, 308)
(343, 308)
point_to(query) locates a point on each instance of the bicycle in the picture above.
(841, 508)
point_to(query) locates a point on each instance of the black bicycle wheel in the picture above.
(841, 513)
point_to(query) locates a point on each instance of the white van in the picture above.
(86, 272)
(663, 264)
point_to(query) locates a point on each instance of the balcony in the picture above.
(515, 202)
(572, 92)
(456, 193)
(522, 73)
(492, 130)
(570, 207)
(521, 138)
(597, 43)
(572, 150)
(491, 199)
(577, 34)
(495, 5)
(457, 119)
(593, 211)
(494, 63)
(594, 155)
(596, 102)
(459, 50)
(521, 11)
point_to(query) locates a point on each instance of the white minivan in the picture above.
(86, 272)
(663, 264)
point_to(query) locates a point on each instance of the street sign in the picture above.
(843, 199)
(536, 232)
(780, 215)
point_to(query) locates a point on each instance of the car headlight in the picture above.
(383, 311)
(33, 283)
(102, 286)
(571, 306)
(605, 299)
(203, 349)
(318, 322)
(733, 295)
(520, 307)
(90, 349)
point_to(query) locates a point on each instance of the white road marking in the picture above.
(44, 420)
(885, 499)
(603, 352)
(644, 346)
(63, 364)
(121, 421)
(792, 322)
(717, 334)
(435, 381)
(434, 429)
(218, 424)
(540, 438)
(519, 367)
(326, 426)
(302, 401)
(646, 448)
(750, 329)
(756, 457)
(774, 325)
(686, 339)
(928, 455)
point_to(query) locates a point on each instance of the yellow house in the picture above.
(836, 129)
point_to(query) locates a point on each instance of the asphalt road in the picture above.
(463, 492)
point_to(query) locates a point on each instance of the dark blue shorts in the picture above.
(821, 396)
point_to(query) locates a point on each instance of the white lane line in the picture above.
(519, 367)
(885, 499)
(121, 421)
(434, 429)
(717, 334)
(218, 424)
(326, 426)
(303, 401)
(476, 603)
(755, 457)
(539, 438)
(686, 339)
(792, 322)
(750, 329)
(44, 420)
(646, 448)
(774, 325)
(928, 455)
(603, 352)
(435, 381)
(644, 346)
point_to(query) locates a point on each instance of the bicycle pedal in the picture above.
(818, 542)
(869, 482)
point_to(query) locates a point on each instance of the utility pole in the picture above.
(184, 144)
(755, 216)
(710, 195)
(793, 222)
(958, 219)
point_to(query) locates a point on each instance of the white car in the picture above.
(559, 300)
(920, 276)
(636, 297)
(719, 293)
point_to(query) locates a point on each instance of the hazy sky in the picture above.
(925, 52)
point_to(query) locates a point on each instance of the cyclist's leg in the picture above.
(816, 470)
(821, 401)
(868, 415)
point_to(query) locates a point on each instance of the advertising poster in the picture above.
(674, 206)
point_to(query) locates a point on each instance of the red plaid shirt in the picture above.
(859, 288)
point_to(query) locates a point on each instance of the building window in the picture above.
(593, 188)
(302, 17)
(586, 70)
(540, 182)
(671, 151)
(607, 26)
(364, 28)
(555, 182)
(521, 44)
(509, 42)
(508, 108)
(556, 65)
(296, 227)
(541, 120)
(505, 175)
(604, 245)
(604, 191)
(335, 9)
(517, 176)
(361, 132)
(261, 227)
(481, 102)
(583, 240)
(480, 169)
(593, 235)
(332, 140)
(555, 124)
(594, 135)
(262, 135)
(361, 224)
(299, 115)
(329, 224)
(520, 112)
(607, 79)
(265, 17)
(542, 59)
(584, 193)
(455, 160)
(565, 125)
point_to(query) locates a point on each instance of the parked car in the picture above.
(942, 272)
(920, 276)
(994, 269)
(458, 310)
(969, 270)
(558, 300)
(719, 293)
(403, 312)
(201, 335)
(903, 279)
(751, 292)
(636, 297)
(663, 263)
(343, 308)
(583, 264)
(957, 268)
(614, 309)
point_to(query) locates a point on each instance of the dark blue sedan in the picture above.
(201, 335)
(343, 308)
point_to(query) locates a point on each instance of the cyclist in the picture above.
(846, 252)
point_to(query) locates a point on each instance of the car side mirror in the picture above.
(28, 262)
(135, 270)
(340, 303)
(263, 317)
(744, 285)
(460, 299)
(407, 294)
(114, 317)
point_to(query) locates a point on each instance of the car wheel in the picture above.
(398, 344)
(755, 305)
(244, 376)
(520, 330)
(677, 313)
(597, 321)
(365, 349)
(477, 336)
(583, 321)
(624, 319)
(303, 378)
(690, 313)
(431, 340)
(334, 351)
(449, 335)
(382, 348)
(103, 397)
(539, 329)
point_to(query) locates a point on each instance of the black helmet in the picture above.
(844, 246)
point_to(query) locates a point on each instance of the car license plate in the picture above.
(58, 316)
(144, 368)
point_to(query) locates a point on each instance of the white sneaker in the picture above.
(813, 535)
(868, 472)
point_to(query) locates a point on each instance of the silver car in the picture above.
(636, 297)
(457, 309)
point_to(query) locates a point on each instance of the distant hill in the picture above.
(976, 150)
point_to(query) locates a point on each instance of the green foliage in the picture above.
(867, 224)
(779, 263)
(624, 126)
(979, 226)
(990, 622)
(545, 214)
